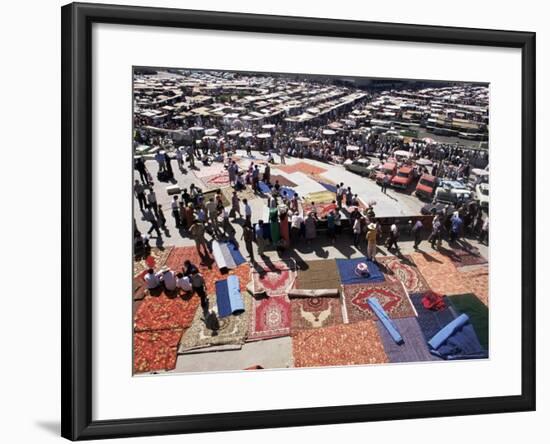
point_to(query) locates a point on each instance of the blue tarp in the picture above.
(289, 192)
(346, 268)
(329, 186)
(264, 188)
(235, 298)
(385, 319)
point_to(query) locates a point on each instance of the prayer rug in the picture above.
(156, 350)
(312, 312)
(343, 344)
(414, 347)
(391, 296)
(319, 275)
(213, 330)
(163, 312)
(276, 278)
(440, 273)
(302, 167)
(431, 321)
(478, 280)
(404, 271)
(269, 318)
(462, 257)
(349, 275)
(478, 313)
(283, 180)
(156, 259)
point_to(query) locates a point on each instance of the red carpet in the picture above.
(276, 280)
(404, 271)
(164, 313)
(156, 351)
(302, 167)
(390, 294)
(310, 313)
(269, 318)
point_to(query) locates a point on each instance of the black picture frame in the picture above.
(76, 117)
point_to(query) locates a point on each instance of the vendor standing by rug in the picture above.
(310, 227)
(371, 242)
(284, 227)
(274, 226)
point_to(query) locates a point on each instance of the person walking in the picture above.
(149, 217)
(159, 157)
(139, 191)
(484, 233)
(356, 231)
(235, 207)
(435, 235)
(247, 212)
(456, 226)
(385, 183)
(152, 202)
(199, 286)
(371, 241)
(417, 233)
(260, 239)
(142, 170)
(197, 231)
(393, 237)
(331, 226)
(179, 158)
(176, 211)
(248, 236)
(161, 217)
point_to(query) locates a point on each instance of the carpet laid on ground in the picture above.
(165, 312)
(156, 350)
(478, 313)
(320, 197)
(302, 167)
(309, 312)
(457, 340)
(478, 280)
(391, 296)
(343, 344)
(156, 259)
(319, 275)
(431, 321)
(348, 271)
(414, 347)
(213, 330)
(269, 318)
(462, 257)
(330, 187)
(283, 180)
(217, 180)
(276, 278)
(440, 273)
(405, 271)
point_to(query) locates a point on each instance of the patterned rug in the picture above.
(283, 181)
(478, 281)
(276, 279)
(319, 275)
(165, 313)
(269, 318)
(217, 180)
(390, 294)
(309, 313)
(302, 167)
(344, 344)
(462, 258)
(404, 271)
(414, 347)
(156, 350)
(322, 210)
(440, 273)
(156, 259)
(230, 330)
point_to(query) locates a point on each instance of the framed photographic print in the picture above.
(282, 221)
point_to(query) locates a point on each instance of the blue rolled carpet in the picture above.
(446, 332)
(346, 268)
(385, 320)
(222, 298)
